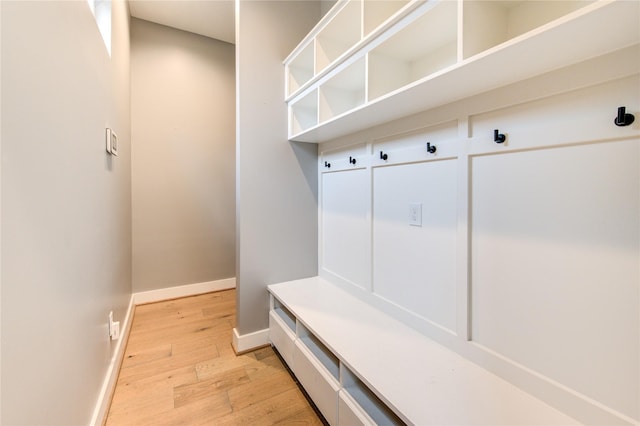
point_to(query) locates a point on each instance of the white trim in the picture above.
(183, 291)
(250, 341)
(111, 377)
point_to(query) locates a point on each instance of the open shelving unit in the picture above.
(391, 59)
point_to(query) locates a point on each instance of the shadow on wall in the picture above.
(307, 153)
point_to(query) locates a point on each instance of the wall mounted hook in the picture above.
(327, 164)
(623, 118)
(431, 148)
(352, 160)
(383, 156)
(498, 137)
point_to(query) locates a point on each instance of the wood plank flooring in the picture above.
(179, 369)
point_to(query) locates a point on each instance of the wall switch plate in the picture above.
(415, 214)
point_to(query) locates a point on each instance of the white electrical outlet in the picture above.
(111, 142)
(115, 330)
(415, 214)
(114, 327)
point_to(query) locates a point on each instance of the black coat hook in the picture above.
(352, 160)
(383, 156)
(498, 137)
(327, 165)
(623, 119)
(431, 148)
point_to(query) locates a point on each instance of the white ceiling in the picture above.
(211, 18)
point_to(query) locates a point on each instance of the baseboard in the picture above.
(183, 291)
(111, 377)
(251, 341)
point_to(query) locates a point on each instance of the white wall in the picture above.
(66, 258)
(528, 257)
(183, 157)
(276, 180)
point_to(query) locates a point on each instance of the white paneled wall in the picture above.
(415, 266)
(526, 254)
(554, 253)
(345, 229)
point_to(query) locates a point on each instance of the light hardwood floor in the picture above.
(179, 369)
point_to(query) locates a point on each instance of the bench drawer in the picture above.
(317, 381)
(282, 337)
(350, 413)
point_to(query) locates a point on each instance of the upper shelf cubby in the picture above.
(340, 34)
(488, 23)
(301, 68)
(376, 12)
(426, 45)
(375, 61)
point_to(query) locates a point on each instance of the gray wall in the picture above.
(276, 180)
(183, 157)
(66, 257)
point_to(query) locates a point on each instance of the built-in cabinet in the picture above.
(338, 393)
(522, 256)
(521, 247)
(502, 228)
(371, 61)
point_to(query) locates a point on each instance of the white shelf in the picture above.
(301, 69)
(392, 370)
(342, 93)
(488, 23)
(425, 46)
(328, 45)
(304, 113)
(376, 12)
(498, 47)
(342, 32)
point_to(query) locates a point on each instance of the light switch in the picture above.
(415, 214)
